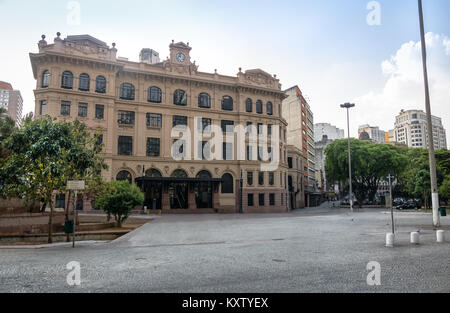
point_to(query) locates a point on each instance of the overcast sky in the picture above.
(327, 47)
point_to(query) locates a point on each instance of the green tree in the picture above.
(7, 126)
(44, 155)
(444, 189)
(118, 199)
(371, 163)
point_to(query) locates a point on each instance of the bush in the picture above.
(118, 199)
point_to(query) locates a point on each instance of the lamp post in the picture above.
(434, 190)
(350, 198)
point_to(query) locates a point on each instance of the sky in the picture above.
(336, 51)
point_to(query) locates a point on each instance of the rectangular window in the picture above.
(99, 111)
(227, 151)
(249, 153)
(272, 199)
(261, 178)
(179, 121)
(65, 108)
(204, 150)
(82, 109)
(99, 140)
(125, 117)
(178, 150)
(125, 145)
(249, 127)
(154, 120)
(153, 147)
(289, 162)
(227, 126)
(271, 178)
(269, 130)
(60, 202)
(261, 199)
(204, 125)
(43, 108)
(260, 128)
(250, 200)
(250, 178)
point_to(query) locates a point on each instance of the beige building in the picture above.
(374, 132)
(411, 130)
(135, 105)
(12, 101)
(296, 188)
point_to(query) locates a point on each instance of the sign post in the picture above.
(75, 185)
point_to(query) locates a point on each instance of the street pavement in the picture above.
(321, 249)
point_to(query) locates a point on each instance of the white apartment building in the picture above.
(11, 100)
(332, 132)
(374, 132)
(411, 130)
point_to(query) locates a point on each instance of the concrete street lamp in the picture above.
(350, 198)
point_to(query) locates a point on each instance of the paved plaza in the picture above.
(322, 249)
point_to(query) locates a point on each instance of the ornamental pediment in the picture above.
(259, 77)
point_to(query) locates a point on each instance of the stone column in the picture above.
(191, 200)
(165, 202)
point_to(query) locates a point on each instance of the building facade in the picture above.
(144, 111)
(300, 134)
(321, 176)
(332, 132)
(296, 187)
(411, 130)
(374, 132)
(12, 101)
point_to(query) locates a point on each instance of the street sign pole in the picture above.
(74, 218)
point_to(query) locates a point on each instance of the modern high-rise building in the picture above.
(411, 130)
(374, 132)
(11, 100)
(140, 108)
(300, 134)
(332, 132)
(149, 56)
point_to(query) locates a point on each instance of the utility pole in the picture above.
(390, 202)
(350, 198)
(434, 189)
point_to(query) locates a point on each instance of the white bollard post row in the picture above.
(440, 236)
(390, 240)
(415, 238)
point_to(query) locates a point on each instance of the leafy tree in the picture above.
(444, 189)
(371, 163)
(118, 199)
(7, 126)
(44, 155)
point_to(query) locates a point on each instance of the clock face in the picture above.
(180, 57)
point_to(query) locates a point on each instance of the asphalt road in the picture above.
(312, 250)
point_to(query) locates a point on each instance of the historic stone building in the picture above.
(135, 105)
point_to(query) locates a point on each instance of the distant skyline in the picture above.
(325, 47)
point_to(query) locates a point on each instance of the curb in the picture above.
(54, 245)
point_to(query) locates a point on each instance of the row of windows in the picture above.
(82, 109)
(154, 94)
(84, 81)
(261, 199)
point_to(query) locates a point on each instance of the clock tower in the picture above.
(179, 53)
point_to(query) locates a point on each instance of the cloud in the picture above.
(404, 87)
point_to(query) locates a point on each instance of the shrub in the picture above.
(118, 199)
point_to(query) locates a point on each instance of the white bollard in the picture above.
(440, 236)
(415, 238)
(390, 240)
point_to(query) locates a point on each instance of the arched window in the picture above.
(227, 103)
(248, 105)
(126, 91)
(84, 82)
(203, 174)
(154, 94)
(227, 183)
(153, 173)
(204, 100)
(180, 97)
(100, 84)
(124, 175)
(179, 173)
(67, 80)
(45, 79)
(269, 108)
(259, 107)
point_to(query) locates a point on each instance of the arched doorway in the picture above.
(178, 191)
(153, 191)
(204, 191)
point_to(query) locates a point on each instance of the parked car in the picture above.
(407, 205)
